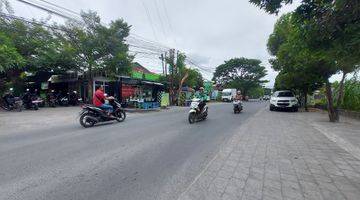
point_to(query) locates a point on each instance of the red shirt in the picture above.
(98, 98)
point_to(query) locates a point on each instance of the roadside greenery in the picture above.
(86, 47)
(316, 41)
(241, 73)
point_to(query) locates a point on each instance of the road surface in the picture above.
(149, 156)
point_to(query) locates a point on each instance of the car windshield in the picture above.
(285, 94)
(226, 93)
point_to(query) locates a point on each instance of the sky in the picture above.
(208, 31)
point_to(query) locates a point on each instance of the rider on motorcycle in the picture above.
(99, 100)
(9, 98)
(202, 96)
(238, 96)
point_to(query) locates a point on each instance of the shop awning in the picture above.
(152, 83)
(61, 79)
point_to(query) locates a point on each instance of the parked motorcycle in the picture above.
(91, 115)
(73, 98)
(238, 107)
(51, 99)
(31, 101)
(196, 113)
(10, 102)
(62, 100)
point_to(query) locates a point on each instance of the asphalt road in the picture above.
(149, 156)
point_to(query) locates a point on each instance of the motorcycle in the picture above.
(51, 99)
(73, 98)
(195, 113)
(31, 101)
(11, 102)
(91, 115)
(62, 100)
(238, 107)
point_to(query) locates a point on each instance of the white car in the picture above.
(284, 99)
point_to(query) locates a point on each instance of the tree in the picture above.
(329, 34)
(98, 48)
(292, 59)
(240, 73)
(10, 59)
(181, 75)
(195, 78)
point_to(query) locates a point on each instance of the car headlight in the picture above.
(294, 101)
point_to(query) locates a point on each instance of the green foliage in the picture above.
(256, 92)
(195, 78)
(271, 6)
(351, 99)
(9, 57)
(97, 47)
(240, 73)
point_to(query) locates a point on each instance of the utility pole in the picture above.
(172, 68)
(166, 70)
(162, 63)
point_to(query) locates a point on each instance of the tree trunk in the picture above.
(333, 115)
(305, 100)
(180, 86)
(341, 91)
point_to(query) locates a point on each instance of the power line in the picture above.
(149, 18)
(159, 16)
(134, 41)
(63, 8)
(46, 9)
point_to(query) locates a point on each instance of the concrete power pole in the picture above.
(172, 69)
(162, 63)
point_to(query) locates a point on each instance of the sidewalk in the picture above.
(282, 155)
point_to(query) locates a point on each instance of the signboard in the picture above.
(138, 75)
(165, 100)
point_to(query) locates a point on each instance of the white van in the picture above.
(228, 94)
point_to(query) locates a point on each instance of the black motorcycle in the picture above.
(238, 107)
(51, 99)
(31, 101)
(62, 100)
(73, 98)
(11, 102)
(91, 115)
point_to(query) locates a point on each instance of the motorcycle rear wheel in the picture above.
(120, 115)
(85, 122)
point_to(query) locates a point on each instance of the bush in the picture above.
(351, 95)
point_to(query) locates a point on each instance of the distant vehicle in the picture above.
(228, 94)
(266, 97)
(284, 99)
